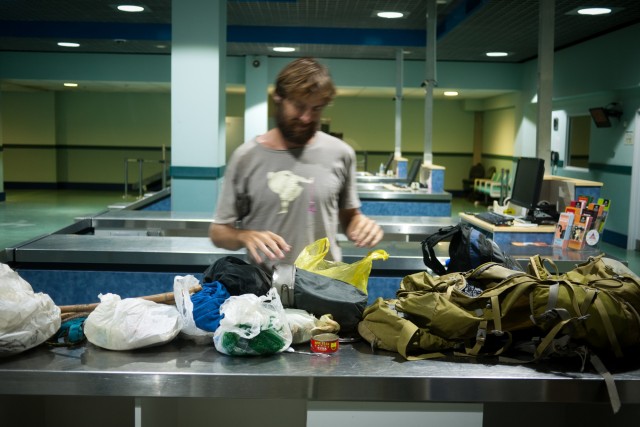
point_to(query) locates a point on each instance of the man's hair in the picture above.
(303, 77)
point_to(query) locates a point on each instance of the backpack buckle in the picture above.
(481, 335)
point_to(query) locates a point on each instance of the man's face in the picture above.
(299, 119)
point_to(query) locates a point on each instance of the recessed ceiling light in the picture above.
(594, 11)
(130, 8)
(68, 44)
(496, 54)
(389, 15)
(285, 49)
(450, 93)
(70, 84)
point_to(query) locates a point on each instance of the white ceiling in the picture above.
(319, 28)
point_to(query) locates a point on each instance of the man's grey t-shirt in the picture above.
(294, 193)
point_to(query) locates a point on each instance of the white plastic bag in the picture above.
(253, 325)
(27, 319)
(181, 286)
(130, 323)
(301, 323)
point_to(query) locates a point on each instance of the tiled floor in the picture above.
(27, 214)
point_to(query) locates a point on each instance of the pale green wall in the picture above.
(113, 119)
(85, 137)
(95, 126)
(82, 137)
(28, 119)
(368, 124)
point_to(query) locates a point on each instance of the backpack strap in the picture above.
(243, 201)
(608, 327)
(408, 334)
(428, 254)
(614, 397)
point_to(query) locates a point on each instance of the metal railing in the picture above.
(141, 185)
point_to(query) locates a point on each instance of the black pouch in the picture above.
(320, 295)
(238, 276)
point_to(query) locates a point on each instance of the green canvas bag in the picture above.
(456, 311)
(478, 312)
(607, 296)
(589, 311)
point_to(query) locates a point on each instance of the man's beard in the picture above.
(293, 130)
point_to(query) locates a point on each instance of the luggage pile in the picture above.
(238, 307)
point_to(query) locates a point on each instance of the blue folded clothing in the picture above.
(206, 305)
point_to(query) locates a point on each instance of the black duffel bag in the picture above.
(320, 295)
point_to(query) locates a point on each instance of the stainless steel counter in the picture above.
(166, 223)
(194, 252)
(354, 373)
(158, 238)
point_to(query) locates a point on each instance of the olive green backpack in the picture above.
(491, 310)
(487, 310)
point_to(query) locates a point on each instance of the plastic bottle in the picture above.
(381, 169)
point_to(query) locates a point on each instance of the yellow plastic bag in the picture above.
(357, 274)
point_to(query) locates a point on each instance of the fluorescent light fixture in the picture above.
(130, 8)
(70, 84)
(450, 93)
(284, 49)
(68, 44)
(594, 11)
(389, 15)
(496, 54)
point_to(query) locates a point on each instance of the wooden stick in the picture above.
(166, 298)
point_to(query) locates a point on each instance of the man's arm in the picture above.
(228, 237)
(360, 229)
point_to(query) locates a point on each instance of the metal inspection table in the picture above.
(355, 373)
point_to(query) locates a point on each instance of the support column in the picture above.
(430, 82)
(545, 80)
(198, 106)
(256, 115)
(398, 100)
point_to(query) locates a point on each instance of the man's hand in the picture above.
(255, 242)
(265, 242)
(360, 229)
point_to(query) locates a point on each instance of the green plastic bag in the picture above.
(253, 325)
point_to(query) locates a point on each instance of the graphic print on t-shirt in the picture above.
(287, 186)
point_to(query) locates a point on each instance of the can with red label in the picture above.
(325, 343)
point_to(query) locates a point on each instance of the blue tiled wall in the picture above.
(160, 205)
(437, 180)
(71, 287)
(385, 207)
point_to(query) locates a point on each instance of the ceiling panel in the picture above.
(324, 29)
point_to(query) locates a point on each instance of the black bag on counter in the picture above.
(468, 249)
(320, 295)
(238, 276)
